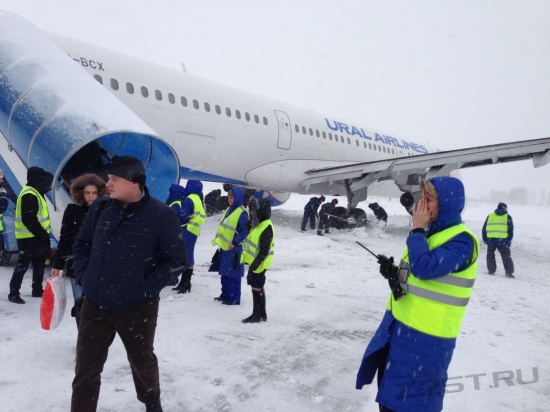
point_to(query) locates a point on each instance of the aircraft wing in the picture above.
(406, 171)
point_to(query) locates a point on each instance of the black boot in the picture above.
(256, 308)
(263, 313)
(178, 286)
(185, 284)
(154, 407)
(319, 233)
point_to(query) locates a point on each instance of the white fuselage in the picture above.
(226, 133)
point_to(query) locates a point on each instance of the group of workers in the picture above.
(412, 347)
(121, 250)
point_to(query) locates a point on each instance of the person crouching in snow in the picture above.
(231, 233)
(258, 250)
(414, 344)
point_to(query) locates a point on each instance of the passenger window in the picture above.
(297, 128)
(171, 98)
(336, 138)
(256, 118)
(310, 131)
(365, 144)
(218, 110)
(324, 135)
(265, 121)
(349, 141)
(98, 78)
(237, 114)
(317, 133)
(158, 95)
(370, 147)
(183, 101)
(392, 151)
(303, 130)
(228, 111)
(144, 91)
(196, 104)
(357, 143)
(330, 136)
(207, 106)
(114, 84)
(247, 116)
(129, 88)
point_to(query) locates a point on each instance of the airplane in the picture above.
(69, 106)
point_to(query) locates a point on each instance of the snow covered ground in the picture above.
(324, 301)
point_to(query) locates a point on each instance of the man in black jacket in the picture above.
(379, 212)
(130, 246)
(326, 209)
(33, 239)
(310, 212)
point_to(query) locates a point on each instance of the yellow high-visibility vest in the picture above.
(199, 216)
(436, 306)
(251, 246)
(497, 226)
(226, 230)
(21, 231)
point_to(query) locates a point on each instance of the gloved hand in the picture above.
(387, 268)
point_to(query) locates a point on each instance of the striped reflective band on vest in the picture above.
(198, 217)
(226, 230)
(43, 216)
(497, 226)
(1, 222)
(251, 248)
(437, 306)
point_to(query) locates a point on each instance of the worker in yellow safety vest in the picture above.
(258, 251)
(431, 287)
(498, 232)
(4, 203)
(189, 206)
(231, 233)
(32, 231)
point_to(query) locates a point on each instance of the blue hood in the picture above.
(194, 187)
(176, 192)
(238, 194)
(450, 193)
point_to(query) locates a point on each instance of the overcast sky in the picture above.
(452, 74)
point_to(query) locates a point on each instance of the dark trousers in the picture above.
(32, 251)
(506, 258)
(308, 215)
(231, 290)
(323, 222)
(136, 327)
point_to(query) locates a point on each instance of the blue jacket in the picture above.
(312, 206)
(228, 262)
(175, 193)
(131, 255)
(498, 241)
(416, 365)
(194, 187)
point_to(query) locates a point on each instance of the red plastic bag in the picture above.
(53, 303)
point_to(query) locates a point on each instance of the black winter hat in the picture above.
(502, 206)
(39, 179)
(127, 167)
(322, 198)
(334, 201)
